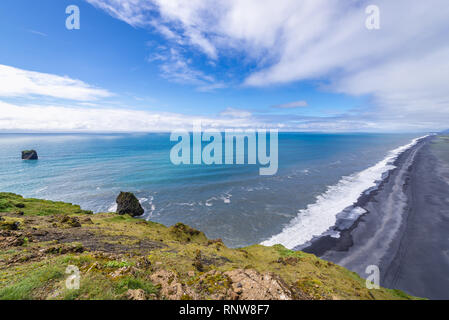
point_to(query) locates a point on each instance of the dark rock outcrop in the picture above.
(29, 155)
(73, 222)
(9, 225)
(127, 203)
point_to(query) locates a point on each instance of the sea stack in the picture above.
(29, 155)
(127, 203)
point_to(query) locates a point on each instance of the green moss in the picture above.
(284, 252)
(184, 233)
(400, 294)
(217, 283)
(122, 218)
(117, 264)
(79, 260)
(126, 283)
(9, 225)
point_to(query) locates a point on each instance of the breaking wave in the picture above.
(318, 217)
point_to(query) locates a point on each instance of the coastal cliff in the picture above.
(120, 257)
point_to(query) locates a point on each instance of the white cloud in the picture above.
(42, 34)
(405, 85)
(292, 105)
(16, 82)
(188, 15)
(403, 66)
(57, 118)
(133, 12)
(211, 87)
(178, 69)
(107, 119)
(235, 113)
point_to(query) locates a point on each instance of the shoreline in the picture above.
(332, 211)
(396, 189)
(403, 229)
(325, 242)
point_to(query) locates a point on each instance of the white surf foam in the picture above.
(188, 204)
(149, 204)
(41, 189)
(143, 200)
(113, 207)
(226, 198)
(318, 217)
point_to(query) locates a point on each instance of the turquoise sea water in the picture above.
(232, 202)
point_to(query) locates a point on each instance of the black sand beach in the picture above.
(405, 230)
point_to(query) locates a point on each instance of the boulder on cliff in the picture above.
(127, 203)
(29, 155)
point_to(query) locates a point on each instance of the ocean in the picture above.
(319, 176)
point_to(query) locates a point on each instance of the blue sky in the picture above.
(143, 65)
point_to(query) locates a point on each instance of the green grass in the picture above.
(117, 264)
(10, 202)
(93, 286)
(99, 286)
(36, 278)
(46, 280)
(178, 250)
(284, 252)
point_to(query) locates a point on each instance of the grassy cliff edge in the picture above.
(120, 257)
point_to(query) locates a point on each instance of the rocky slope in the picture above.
(120, 257)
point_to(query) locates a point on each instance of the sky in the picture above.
(161, 65)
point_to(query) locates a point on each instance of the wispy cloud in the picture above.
(33, 117)
(65, 118)
(211, 87)
(176, 67)
(157, 13)
(292, 105)
(235, 113)
(403, 66)
(42, 34)
(16, 82)
(133, 12)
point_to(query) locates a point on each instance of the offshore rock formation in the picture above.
(29, 155)
(127, 203)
